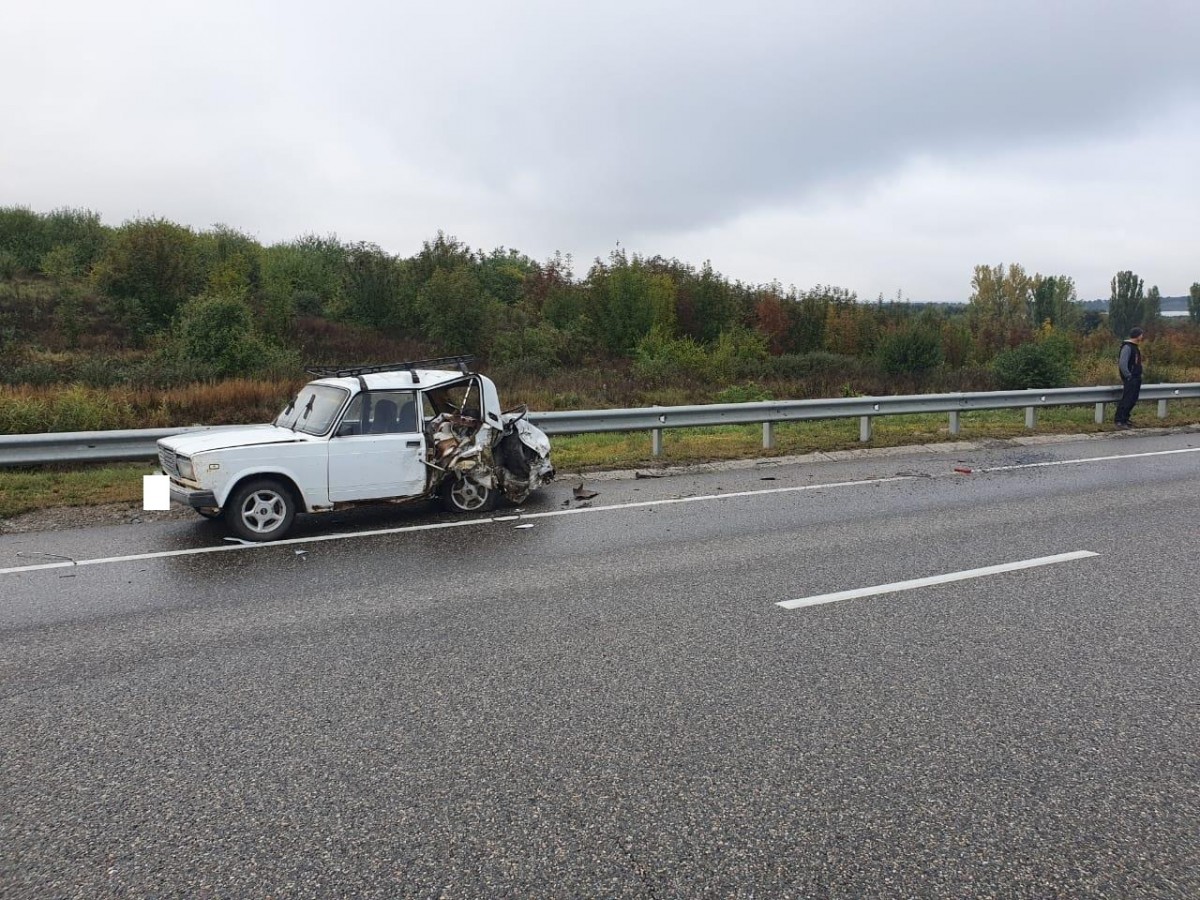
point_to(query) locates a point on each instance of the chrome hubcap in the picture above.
(263, 511)
(468, 495)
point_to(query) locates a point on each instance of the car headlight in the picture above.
(185, 468)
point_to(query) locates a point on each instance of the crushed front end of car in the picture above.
(513, 460)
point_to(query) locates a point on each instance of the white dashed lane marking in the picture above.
(964, 575)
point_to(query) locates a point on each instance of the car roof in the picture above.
(400, 379)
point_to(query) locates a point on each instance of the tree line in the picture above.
(221, 296)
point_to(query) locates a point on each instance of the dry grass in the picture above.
(26, 409)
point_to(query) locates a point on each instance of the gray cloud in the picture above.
(559, 125)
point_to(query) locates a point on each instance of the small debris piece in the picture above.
(300, 552)
(70, 559)
(641, 474)
(582, 493)
(526, 525)
(962, 470)
(767, 478)
(237, 540)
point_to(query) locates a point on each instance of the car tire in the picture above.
(462, 496)
(261, 509)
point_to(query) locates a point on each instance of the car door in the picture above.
(378, 449)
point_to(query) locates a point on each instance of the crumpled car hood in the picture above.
(531, 436)
(194, 442)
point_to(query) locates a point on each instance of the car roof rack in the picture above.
(462, 362)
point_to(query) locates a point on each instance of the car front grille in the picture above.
(166, 459)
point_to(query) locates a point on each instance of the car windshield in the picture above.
(313, 409)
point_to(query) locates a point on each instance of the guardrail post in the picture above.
(768, 435)
(656, 441)
(1031, 417)
(955, 425)
(864, 429)
(1099, 413)
(1162, 409)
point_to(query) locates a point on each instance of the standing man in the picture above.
(1130, 364)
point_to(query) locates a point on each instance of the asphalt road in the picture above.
(611, 703)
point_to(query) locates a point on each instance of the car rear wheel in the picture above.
(463, 496)
(261, 509)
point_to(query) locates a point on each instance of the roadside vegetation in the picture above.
(151, 324)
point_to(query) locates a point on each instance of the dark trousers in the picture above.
(1129, 397)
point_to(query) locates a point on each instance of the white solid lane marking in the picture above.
(1087, 459)
(935, 579)
(568, 512)
(458, 523)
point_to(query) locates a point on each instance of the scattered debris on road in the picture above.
(32, 553)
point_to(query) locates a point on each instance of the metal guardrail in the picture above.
(85, 446)
(865, 409)
(137, 444)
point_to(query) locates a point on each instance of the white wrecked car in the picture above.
(396, 433)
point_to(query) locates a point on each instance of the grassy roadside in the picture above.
(26, 490)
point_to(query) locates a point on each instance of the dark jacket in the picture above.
(1130, 361)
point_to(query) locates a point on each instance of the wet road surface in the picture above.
(611, 702)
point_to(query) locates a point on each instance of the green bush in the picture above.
(35, 372)
(22, 235)
(455, 310)
(568, 400)
(151, 266)
(750, 392)
(217, 334)
(8, 265)
(307, 303)
(530, 350)
(912, 351)
(79, 229)
(738, 353)
(806, 365)
(661, 357)
(100, 371)
(167, 369)
(1046, 363)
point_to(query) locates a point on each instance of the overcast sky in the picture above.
(878, 146)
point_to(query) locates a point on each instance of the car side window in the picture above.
(391, 412)
(380, 412)
(351, 423)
